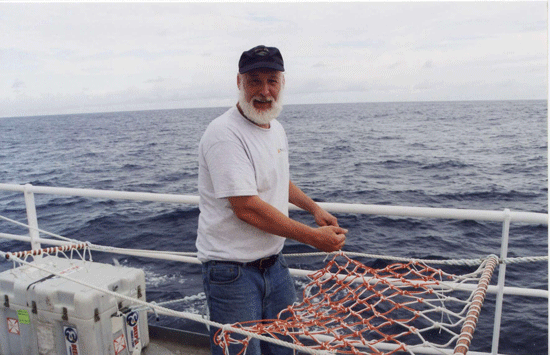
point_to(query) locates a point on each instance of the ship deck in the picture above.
(167, 341)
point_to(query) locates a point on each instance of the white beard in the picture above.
(257, 116)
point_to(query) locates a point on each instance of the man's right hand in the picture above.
(329, 238)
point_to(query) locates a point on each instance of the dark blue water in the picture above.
(479, 155)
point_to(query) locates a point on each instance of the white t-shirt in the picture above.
(239, 158)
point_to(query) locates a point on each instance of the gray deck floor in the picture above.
(166, 341)
(163, 348)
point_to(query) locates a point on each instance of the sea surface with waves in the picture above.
(487, 155)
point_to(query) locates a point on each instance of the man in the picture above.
(244, 189)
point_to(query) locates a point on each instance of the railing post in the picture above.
(31, 217)
(501, 279)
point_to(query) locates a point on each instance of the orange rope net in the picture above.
(349, 308)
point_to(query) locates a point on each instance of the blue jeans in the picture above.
(237, 294)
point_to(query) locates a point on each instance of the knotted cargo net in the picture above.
(350, 308)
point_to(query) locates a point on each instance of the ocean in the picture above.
(487, 155)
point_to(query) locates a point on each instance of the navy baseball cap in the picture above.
(261, 57)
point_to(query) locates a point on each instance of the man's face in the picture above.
(262, 87)
(261, 94)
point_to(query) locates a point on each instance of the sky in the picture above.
(64, 58)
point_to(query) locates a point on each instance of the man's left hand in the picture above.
(323, 218)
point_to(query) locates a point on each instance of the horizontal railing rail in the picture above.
(401, 211)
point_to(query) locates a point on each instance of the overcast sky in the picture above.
(97, 57)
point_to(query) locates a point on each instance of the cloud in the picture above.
(155, 81)
(18, 85)
(428, 65)
(106, 56)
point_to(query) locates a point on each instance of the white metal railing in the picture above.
(506, 217)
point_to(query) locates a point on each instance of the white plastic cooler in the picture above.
(43, 314)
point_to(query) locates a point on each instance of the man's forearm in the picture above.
(297, 197)
(254, 211)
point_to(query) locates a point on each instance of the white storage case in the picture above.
(44, 314)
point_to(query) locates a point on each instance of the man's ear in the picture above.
(239, 80)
